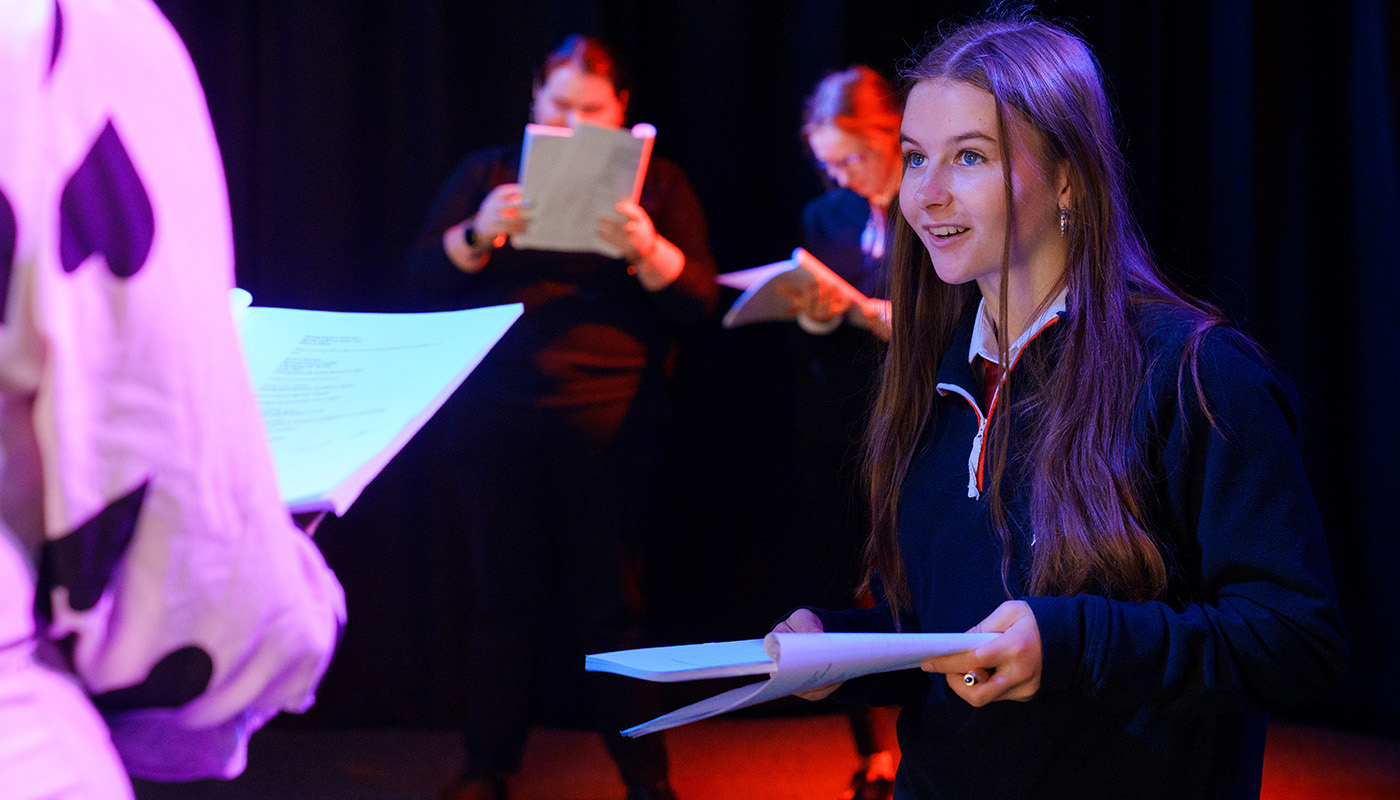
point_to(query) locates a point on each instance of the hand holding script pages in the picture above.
(794, 662)
(341, 393)
(768, 290)
(572, 177)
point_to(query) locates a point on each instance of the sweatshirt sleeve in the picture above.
(676, 213)
(433, 280)
(1252, 622)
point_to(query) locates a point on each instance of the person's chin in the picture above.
(951, 271)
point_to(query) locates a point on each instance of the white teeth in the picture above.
(946, 231)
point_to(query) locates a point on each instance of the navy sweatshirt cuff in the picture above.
(1059, 621)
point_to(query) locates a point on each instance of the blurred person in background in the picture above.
(560, 438)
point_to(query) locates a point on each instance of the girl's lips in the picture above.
(943, 235)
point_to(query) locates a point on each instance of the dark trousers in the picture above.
(556, 505)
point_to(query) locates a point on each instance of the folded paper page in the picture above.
(766, 289)
(687, 662)
(796, 662)
(744, 278)
(342, 392)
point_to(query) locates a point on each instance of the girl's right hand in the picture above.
(875, 317)
(804, 621)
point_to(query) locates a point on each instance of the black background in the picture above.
(1261, 138)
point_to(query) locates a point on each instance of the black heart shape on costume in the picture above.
(105, 209)
(176, 679)
(83, 561)
(9, 235)
(57, 36)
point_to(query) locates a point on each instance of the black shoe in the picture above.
(659, 791)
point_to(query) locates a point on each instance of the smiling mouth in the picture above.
(947, 231)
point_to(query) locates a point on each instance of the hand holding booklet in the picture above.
(572, 177)
(767, 289)
(794, 662)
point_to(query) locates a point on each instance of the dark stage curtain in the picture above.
(1263, 146)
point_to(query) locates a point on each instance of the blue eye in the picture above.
(913, 159)
(969, 158)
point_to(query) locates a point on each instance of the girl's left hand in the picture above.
(1006, 668)
(633, 233)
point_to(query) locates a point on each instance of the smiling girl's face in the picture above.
(954, 191)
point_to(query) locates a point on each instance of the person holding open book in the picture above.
(851, 125)
(1070, 453)
(560, 433)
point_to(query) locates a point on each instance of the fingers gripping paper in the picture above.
(794, 662)
(571, 178)
(768, 289)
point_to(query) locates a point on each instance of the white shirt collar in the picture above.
(984, 337)
(872, 239)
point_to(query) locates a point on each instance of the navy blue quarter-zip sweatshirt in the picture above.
(1162, 699)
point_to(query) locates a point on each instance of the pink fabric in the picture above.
(129, 432)
(53, 745)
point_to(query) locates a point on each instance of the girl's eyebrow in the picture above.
(959, 139)
(971, 135)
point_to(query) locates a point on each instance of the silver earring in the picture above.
(1064, 220)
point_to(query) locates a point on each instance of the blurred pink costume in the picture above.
(136, 485)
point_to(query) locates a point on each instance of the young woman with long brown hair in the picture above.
(1071, 453)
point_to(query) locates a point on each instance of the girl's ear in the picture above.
(622, 98)
(1064, 190)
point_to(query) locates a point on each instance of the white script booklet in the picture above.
(570, 178)
(764, 298)
(342, 392)
(794, 662)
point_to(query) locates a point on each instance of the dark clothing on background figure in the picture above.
(835, 383)
(1159, 699)
(837, 388)
(834, 229)
(590, 332)
(558, 440)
